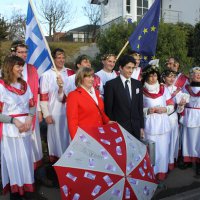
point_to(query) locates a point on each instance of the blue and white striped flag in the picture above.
(38, 54)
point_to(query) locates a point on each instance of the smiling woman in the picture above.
(17, 109)
(85, 108)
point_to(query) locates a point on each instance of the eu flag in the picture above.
(38, 54)
(144, 38)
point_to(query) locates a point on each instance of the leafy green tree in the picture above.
(3, 28)
(172, 41)
(196, 44)
(112, 40)
(3, 34)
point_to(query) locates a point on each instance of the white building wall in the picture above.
(173, 11)
(188, 11)
(111, 11)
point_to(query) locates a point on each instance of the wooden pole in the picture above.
(122, 50)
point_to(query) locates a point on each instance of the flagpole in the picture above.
(122, 50)
(45, 41)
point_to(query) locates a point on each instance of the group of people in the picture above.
(145, 102)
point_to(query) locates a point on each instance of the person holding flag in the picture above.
(53, 106)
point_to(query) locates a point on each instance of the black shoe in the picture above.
(34, 196)
(46, 182)
(15, 196)
(198, 169)
(182, 165)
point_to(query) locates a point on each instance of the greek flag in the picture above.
(38, 54)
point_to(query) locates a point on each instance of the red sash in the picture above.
(97, 82)
(70, 72)
(15, 115)
(189, 89)
(20, 91)
(33, 82)
(154, 96)
(181, 81)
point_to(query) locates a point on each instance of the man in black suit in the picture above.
(124, 99)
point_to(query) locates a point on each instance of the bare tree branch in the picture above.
(57, 14)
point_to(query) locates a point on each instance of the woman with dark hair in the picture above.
(157, 105)
(17, 110)
(179, 98)
(85, 107)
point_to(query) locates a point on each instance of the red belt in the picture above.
(193, 108)
(15, 115)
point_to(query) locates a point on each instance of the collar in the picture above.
(124, 79)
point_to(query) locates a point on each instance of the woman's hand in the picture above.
(160, 110)
(182, 102)
(19, 125)
(28, 123)
(151, 111)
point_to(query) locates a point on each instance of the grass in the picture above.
(70, 48)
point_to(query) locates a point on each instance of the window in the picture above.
(128, 6)
(142, 8)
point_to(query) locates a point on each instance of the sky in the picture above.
(7, 6)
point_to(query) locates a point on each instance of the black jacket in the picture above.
(118, 108)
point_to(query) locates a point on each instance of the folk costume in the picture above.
(57, 133)
(30, 75)
(191, 125)
(137, 72)
(17, 167)
(106, 76)
(157, 125)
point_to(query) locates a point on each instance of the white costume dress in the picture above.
(191, 126)
(137, 73)
(106, 76)
(157, 126)
(35, 137)
(17, 168)
(57, 134)
(174, 136)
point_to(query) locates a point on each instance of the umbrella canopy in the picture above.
(105, 163)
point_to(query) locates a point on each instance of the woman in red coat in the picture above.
(85, 106)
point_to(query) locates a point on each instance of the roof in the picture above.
(84, 28)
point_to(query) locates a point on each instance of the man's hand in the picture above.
(49, 120)
(60, 81)
(142, 136)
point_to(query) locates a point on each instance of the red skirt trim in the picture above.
(161, 176)
(37, 164)
(19, 189)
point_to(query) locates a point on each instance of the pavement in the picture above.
(179, 185)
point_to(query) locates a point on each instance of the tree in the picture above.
(112, 39)
(196, 44)
(3, 35)
(93, 13)
(17, 25)
(172, 41)
(56, 14)
(3, 28)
